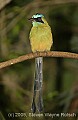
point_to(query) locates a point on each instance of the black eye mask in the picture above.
(38, 20)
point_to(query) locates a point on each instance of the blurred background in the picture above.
(60, 82)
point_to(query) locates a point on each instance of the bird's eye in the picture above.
(39, 20)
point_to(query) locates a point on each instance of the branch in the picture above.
(38, 54)
(4, 3)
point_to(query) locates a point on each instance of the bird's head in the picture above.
(38, 19)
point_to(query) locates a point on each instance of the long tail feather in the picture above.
(37, 97)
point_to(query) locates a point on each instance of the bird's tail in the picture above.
(37, 97)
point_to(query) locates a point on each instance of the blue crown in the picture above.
(37, 15)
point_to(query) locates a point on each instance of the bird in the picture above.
(41, 41)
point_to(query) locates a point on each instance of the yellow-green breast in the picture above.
(41, 38)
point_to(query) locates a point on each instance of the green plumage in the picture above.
(41, 37)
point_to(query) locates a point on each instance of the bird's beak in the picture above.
(31, 19)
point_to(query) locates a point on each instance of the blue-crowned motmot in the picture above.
(40, 40)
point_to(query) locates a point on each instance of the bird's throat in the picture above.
(36, 24)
